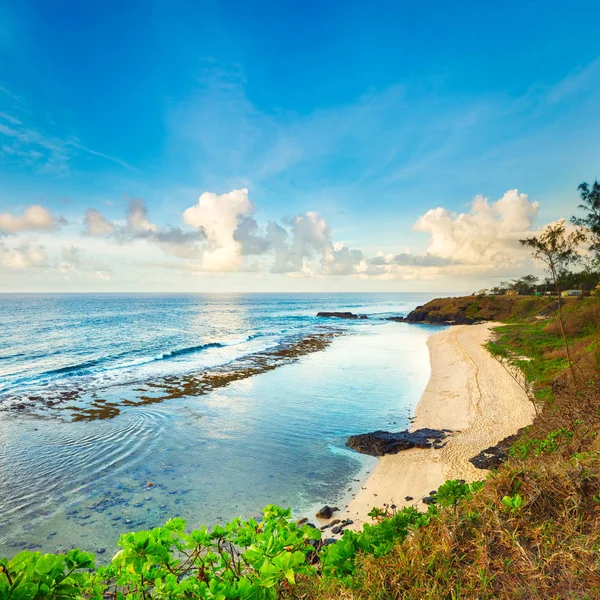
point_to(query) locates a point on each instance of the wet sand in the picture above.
(469, 392)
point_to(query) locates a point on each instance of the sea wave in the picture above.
(106, 364)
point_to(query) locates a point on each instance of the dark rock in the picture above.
(101, 551)
(337, 315)
(494, 456)
(325, 513)
(351, 522)
(331, 524)
(428, 500)
(408, 498)
(396, 319)
(311, 525)
(302, 521)
(363, 317)
(379, 443)
(328, 541)
(336, 529)
(433, 492)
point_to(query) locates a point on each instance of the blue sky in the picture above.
(345, 125)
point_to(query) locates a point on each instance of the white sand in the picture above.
(469, 392)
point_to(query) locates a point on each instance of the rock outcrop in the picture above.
(326, 512)
(494, 456)
(379, 443)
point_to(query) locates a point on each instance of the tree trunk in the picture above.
(562, 325)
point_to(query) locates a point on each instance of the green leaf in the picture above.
(46, 563)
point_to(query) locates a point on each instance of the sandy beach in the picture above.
(469, 392)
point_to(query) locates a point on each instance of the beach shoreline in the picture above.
(468, 392)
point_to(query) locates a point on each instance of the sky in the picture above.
(268, 146)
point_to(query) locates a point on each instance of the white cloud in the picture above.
(25, 256)
(34, 218)
(137, 217)
(311, 237)
(225, 236)
(96, 224)
(487, 236)
(483, 240)
(172, 240)
(218, 217)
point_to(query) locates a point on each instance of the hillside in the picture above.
(470, 309)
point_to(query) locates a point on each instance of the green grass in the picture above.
(536, 347)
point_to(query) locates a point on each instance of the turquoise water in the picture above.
(274, 437)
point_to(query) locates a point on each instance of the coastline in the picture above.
(470, 393)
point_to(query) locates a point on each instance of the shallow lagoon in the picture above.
(277, 437)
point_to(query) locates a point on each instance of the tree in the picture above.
(557, 249)
(525, 284)
(590, 202)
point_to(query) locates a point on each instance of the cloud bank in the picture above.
(222, 233)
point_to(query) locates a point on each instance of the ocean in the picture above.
(118, 412)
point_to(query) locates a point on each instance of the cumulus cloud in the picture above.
(247, 234)
(221, 233)
(487, 236)
(34, 218)
(96, 223)
(302, 245)
(137, 218)
(218, 217)
(309, 237)
(172, 240)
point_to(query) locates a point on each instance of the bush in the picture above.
(242, 560)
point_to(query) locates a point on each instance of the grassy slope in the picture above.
(484, 308)
(548, 546)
